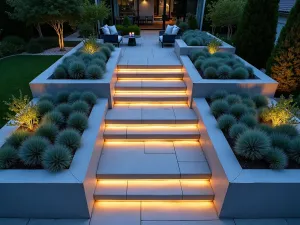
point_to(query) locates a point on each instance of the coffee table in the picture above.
(132, 39)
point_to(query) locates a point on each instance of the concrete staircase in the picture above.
(152, 151)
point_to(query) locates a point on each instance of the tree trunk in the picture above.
(39, 30)
(58, 26)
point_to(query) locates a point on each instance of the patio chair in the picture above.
(115, 39)
(167, 38)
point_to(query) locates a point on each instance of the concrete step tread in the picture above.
(152, 160)
(175, 85)
(154, 213)
(153, 190)
(150, 97)
(168, 132)
(151, 115)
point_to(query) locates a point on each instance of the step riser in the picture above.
(204, 176)
(150, 99)
(168, 137)
(153, 197)
(152, 122)
(150, 89)
(149, 75)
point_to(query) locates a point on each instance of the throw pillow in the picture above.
(175, 30)
(169, 29)
(113, 29)
(105, 29)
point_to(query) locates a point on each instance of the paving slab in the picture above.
(189, 151)
(114, 133)
(158, 115)
(59, 222)
(161, 147)
(178, 211)
(107, 189)
(116, 213)
(260, 222)
(194, 170)
(206, 222)
(121, 115)
(12, 221)
(185, 115)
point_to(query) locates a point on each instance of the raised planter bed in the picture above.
(101, 87)
(181, 48)
(244, 193)
(67, 194)
(201, 88)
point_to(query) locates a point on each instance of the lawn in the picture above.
(15, 74)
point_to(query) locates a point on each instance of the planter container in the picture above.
(199, 87)
(181, 48)
(101, 87)
(66, 194)
(244, 193)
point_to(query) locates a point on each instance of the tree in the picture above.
(284, 63)
(256, 32)
(20, 12)
(225, 13)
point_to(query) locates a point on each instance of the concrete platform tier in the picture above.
(149, 160)
(151, 115)
(152, 132)
(119, 190)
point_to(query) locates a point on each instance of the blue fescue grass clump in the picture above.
(17, 138)
(56, 158)
(62, 97)
(47, 97)
(226, 121)
(74, 96)
(89, 97)
(260, 101)
(60, 72)
(48, 131)
(54, 117)
(81, 106)
(76, 70)
(237, 129)
(8, 157)
(238, 110)
(69, 138)
(287, 129)
(44, 107)
(281, 141)
(78, 121)
(110, 46)
(219, 94)
(277, 159)
(294, 150)
(249, 120)
(94, 72)
(219, 107)
(32, 150)
(252, 144)
(233, 99)
(65, 109)
(106, 51)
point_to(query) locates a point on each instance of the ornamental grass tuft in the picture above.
(8, 157)
(69, 138)
(56, 158)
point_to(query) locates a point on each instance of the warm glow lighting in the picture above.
(149, 79)
(147, 71)
(172, 93)
(167, 206)
(151, 104)
(151, 126)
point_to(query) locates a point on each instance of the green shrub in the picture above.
(238, 110)
(260, 101)
(86, 57)
(219, 94)
(32, 150)
(233, 99)
(253, 41)
(44, 107)
(224, 72)
(56, 158)
(249, 120)
(224, 55)
(248, 102)
(281, 141)
(250, 72)
(252, 112)
(294, 150)
(244, 95)
(47, 97)
(74, 96)
(239, 73)
(210, 62)
(219, 107)
(230, 62)
(110, 46)
(78, 121)
(62, 97)
(70, 59)
(100, 63)
(226, 121)
(183, 26)
(69, 138)
(94, 72)
(34, 47)
(192, 22)
(210, 73)
(194, 42)
(126, 21)
(100, 55)
(277, 159)
(89, 97)
(198, 63)
(81, 106)
(265, 128)
(106, 51)
(12, 45)
(237, 129)
(65, 109)
(86, 30)
(60, 73)
(76, 70)
(54, 117)
(48, 131)
(287, 129)
(17, 138)
(252, 144)
(8, 157)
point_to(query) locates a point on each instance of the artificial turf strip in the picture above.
(15, 74)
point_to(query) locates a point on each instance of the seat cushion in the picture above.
(161, 38)
(120, 38)
(105, 29)
(113, 29)
(169, 29)
(175, 30)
